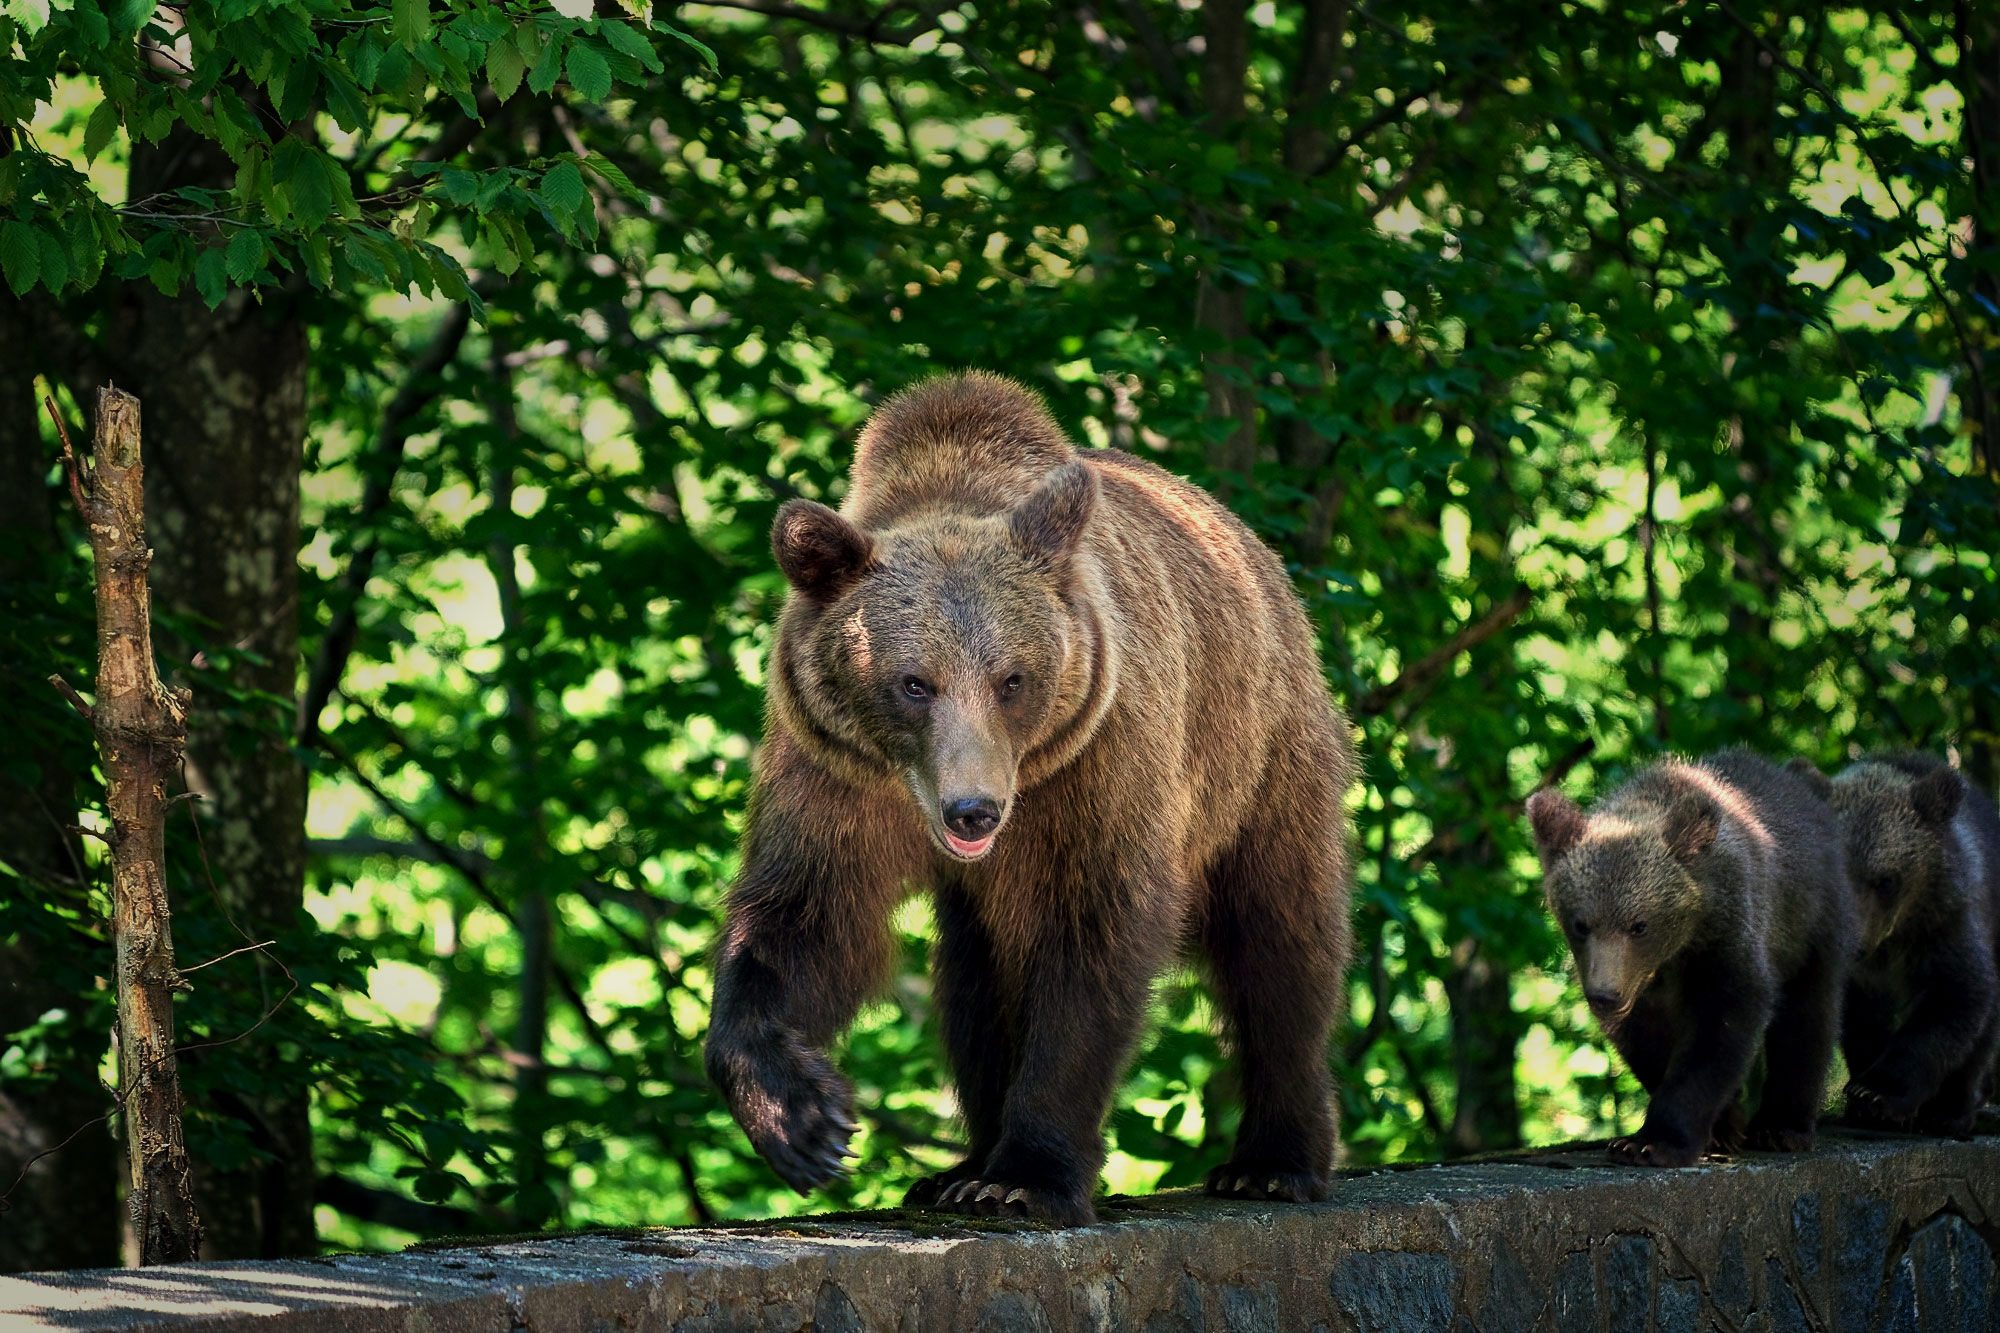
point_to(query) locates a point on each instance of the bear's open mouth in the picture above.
(970, 850)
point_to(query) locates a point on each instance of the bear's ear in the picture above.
(1821, 784)
(1557, 822)
(820, 552)
(1936, 796)
(1691, 826)
(1050, 523)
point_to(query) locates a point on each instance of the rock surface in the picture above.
(1865, 1234)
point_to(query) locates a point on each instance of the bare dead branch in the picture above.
(1434, 662)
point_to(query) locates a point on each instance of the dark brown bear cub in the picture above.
(1706, 906)
(1923, 1006)
(1075, 700)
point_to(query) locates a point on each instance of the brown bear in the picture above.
(1707, 909)
(1076, 701)
(1923, 1007)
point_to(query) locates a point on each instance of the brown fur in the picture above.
(1107, 662)
(1705, 904)
(1923, 854)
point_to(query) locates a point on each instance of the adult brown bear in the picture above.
(1075, 700)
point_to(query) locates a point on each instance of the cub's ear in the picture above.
(1821, 784)
(1936, 796)
(820, 552)
(1691, 827)
(1050, 522)
(1558, 824)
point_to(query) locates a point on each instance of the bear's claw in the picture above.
(794, 1106)
(1238, 1180)
(1632, 1151)
(999, 1198)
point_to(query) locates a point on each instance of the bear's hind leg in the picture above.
(1798, 1048)
(1083, 982)
(976, 1027)
(1275, 932)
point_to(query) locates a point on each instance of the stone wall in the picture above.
(1866, 1234)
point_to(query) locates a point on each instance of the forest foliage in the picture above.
(1611, 378)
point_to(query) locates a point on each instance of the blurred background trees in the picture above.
(1614, 380)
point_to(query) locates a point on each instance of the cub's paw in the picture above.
(1772, 1138)
(1877, 1110)
(1634, 1151)
(1248, 1180)
(1000, 1198)
(795, 1107)
(1729, 1134)
(1947, 1126)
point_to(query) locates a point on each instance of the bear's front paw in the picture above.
(1875, 1109)
(1772, 1138)
(930, 1189)
(1249, 1180)
(1636, 1151)
(999, 1198)
(795, 1107)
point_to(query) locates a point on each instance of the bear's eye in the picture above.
(1010, 686)
(1638, 929)
(916, 689)
(1578, 928)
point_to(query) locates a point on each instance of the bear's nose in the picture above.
(1602, 1001)
(973, 818)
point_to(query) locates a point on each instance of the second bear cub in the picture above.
(1923, 1006)
(1705, 905)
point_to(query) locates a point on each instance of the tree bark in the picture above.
(1487, 1114)
(140, 727)
(1219, 305)
(225, 394)
(63, 1213)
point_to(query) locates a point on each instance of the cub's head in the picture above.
(937, 648)
(1895, 825)
(1622, 888)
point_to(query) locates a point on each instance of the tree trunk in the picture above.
(225, 395)
(1487, 1116)
(1978, 34)
(1218, 303)
(140, 727)
(63, 1214)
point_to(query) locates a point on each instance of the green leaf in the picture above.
(103, 125)
(246, 254)
(589, 73)
(55, 262)
(562, 186)
(128, 16)
(33, 16)
(409, 22)
(548, 68)
(505, 69)
(615, 174)
(623, 37)
(20, 256)
(679, 36)
(210, 276)
(460, 185)
(344, 101)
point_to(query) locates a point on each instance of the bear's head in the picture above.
(940, 648)
(1895, 826)
(1624, 888)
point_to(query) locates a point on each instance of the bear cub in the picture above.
(1706, 908)
(1923, 1000)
